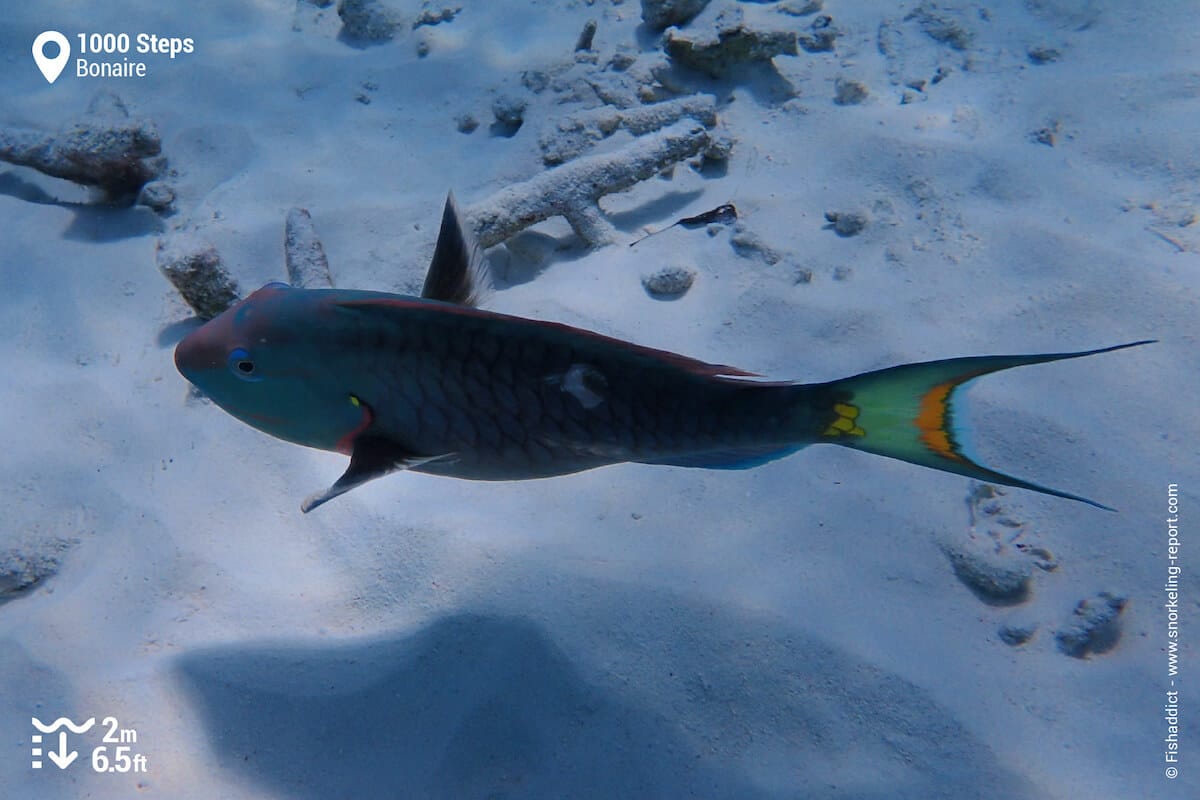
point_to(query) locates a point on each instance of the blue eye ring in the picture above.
(242, 364)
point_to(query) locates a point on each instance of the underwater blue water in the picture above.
(911, 182)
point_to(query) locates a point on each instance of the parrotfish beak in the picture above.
(208, 347)
(202, 349)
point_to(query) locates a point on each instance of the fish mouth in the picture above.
(208, 346)
(205, 348)
(195, 353)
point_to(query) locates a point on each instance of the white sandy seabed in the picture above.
(795, 630)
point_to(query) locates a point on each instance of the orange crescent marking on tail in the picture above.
(931, 420)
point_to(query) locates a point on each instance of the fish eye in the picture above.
(242, 364)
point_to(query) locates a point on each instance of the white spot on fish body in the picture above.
(586, 384)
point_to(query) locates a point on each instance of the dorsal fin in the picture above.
(457, 273)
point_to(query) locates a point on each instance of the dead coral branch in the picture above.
(194, 268)
(579, 132)
(106, 149)
(307, 266)
(573, 190)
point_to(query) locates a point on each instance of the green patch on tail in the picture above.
(908, 413)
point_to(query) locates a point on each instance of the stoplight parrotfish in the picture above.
(435, 384)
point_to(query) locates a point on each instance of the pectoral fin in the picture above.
(372, 457)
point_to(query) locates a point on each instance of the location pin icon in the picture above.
(51, 67)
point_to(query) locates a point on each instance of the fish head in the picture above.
(263, 361)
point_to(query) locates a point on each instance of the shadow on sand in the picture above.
(486, 706)
(97, 221)
(472, 706)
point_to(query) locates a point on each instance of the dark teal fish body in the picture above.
(475, 394)
(512, 398)
(442, 387)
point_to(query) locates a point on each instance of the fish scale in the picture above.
(518, 390)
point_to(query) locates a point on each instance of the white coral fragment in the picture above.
(307, 266)
(574, 189)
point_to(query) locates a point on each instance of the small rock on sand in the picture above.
(669, 282)
(368, 20)
(997, 573)
(1016, 634)
(659, 14)
(847, 223)
(727, 42)
(848, 92)
(509, 111)
(1093, 627)
(466, 123)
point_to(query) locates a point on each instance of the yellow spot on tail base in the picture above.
(354, 401)
(845, 410)
(845, 424)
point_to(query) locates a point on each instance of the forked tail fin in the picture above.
(908, 412)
